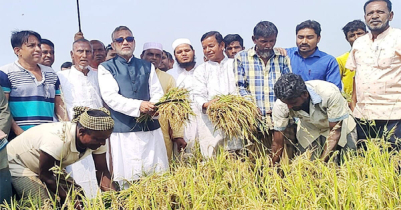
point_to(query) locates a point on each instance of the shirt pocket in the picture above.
(386, 58)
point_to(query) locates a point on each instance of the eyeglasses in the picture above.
(121, 39)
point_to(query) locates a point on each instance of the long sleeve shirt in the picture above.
(212, 79)
(131, 107)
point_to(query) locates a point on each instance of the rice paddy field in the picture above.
(365, 180)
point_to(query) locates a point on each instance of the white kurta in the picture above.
(211, 79)
(185, 79)
(134, 153)
(81, 90)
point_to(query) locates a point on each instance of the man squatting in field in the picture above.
(33, 154)
(323, 117)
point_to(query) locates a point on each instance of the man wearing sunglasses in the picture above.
(130, 87)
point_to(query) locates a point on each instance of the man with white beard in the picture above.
(80, 87)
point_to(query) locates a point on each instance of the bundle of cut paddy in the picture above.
(174, 106)
(237, 117)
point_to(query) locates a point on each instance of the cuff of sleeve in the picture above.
(200, 104)
(49, 152)
(137, 112)
(279, 128)
(100, 150)
(6, 89)
(339, 118)
(178, 133)
(243, 92)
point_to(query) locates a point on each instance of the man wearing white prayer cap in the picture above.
(183, 72)
(152, 52)
(185, 57)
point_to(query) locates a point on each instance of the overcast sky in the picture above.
(164, 21)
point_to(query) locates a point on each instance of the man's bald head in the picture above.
(76, 42)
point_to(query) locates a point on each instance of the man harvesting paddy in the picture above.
(33, 155)
(324, 121)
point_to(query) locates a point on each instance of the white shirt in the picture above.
(80, 90)
(211, 79)
(173, 72)
(184, 79)
(128, 106)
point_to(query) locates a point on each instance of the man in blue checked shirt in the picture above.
(308, 61)
(257, 70)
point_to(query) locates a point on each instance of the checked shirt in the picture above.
(255, 78)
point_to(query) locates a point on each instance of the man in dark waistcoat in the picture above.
(130, 87)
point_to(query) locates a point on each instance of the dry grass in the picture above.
(237, 116)
(368, 180)
(174, 106)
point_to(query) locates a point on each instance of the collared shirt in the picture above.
(109, 91)
(55, 139)
(255, 78)
(31, 102)
(378, 79)
(185, 79)
(347, 76)
(212, 79)
(326, 105)
(80, 90)
(318, 66)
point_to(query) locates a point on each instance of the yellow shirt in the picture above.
(56, 139)
(347, 76)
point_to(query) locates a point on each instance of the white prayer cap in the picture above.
(180, 41)
(152, 45)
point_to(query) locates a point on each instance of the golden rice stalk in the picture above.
(237, 117)
(174, 106)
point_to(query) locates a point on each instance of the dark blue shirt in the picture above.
(318, 66)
